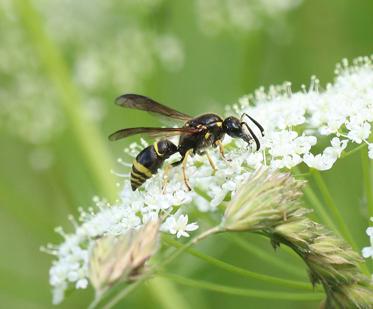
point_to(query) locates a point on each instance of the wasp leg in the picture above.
(184, 168)
(165, 177)
(213, 166)
(221, 150)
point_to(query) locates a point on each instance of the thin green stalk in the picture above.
(368, 183)
(167, 294)
(333, 207)
(356, 149)
(97, 303)
(240, 271)
(86, 133)
(244, 292)
(312, 198)
(192, 242)
(264, 256)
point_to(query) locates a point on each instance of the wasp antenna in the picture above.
(252, 135)
(255, 122)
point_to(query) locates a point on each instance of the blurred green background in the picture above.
(63, 62)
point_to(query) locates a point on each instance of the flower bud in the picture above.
(122, 258)
(266, 200)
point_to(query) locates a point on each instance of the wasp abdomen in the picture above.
(149, 160)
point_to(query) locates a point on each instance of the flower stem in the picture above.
(312, 198)
(167, 294)
(356, 149)
(86, 133)
(184, 247)
(368, 183)
(240, 271)
(333, 207)
(264, 256)
(244, 292)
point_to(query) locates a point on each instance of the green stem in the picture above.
(312, 198)
(333, 207)
(167, 294)
(314, 201)
(264, 256)
(184, 247)
(87, 135)
(240, 271)
(356, 149)
(244, 292)
(337, 215)
(368, 183)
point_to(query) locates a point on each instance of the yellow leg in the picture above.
(221, 150)
(184, 168)
(213, 166)
(165, 177)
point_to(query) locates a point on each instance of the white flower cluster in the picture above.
(292, 121)
(216, 16)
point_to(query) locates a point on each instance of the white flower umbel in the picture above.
(341, 116)
(216, 16)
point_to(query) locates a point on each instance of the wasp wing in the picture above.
(136, 101)
(152, 132)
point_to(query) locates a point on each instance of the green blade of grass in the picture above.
(264, 256)
(240, 271)
(243, 292)
(87, 135)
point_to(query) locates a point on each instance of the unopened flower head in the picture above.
(264, 201)
(120, 258)
(293, 123)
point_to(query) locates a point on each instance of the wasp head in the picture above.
(237, 128)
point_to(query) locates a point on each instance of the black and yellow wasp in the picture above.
(197, 134)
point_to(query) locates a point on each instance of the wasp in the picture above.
(195, 137)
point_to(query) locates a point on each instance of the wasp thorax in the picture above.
(166, 148)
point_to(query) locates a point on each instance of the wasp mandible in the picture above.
(195, 136)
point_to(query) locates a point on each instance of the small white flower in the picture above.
(320, 162)
(82, 284)
(358, 132)
(369, 232)
(367, 252)
(179, 226)
(370, 151)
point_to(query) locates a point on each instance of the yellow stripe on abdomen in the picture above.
(155, 146)
(140, 177)
(142, 169)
